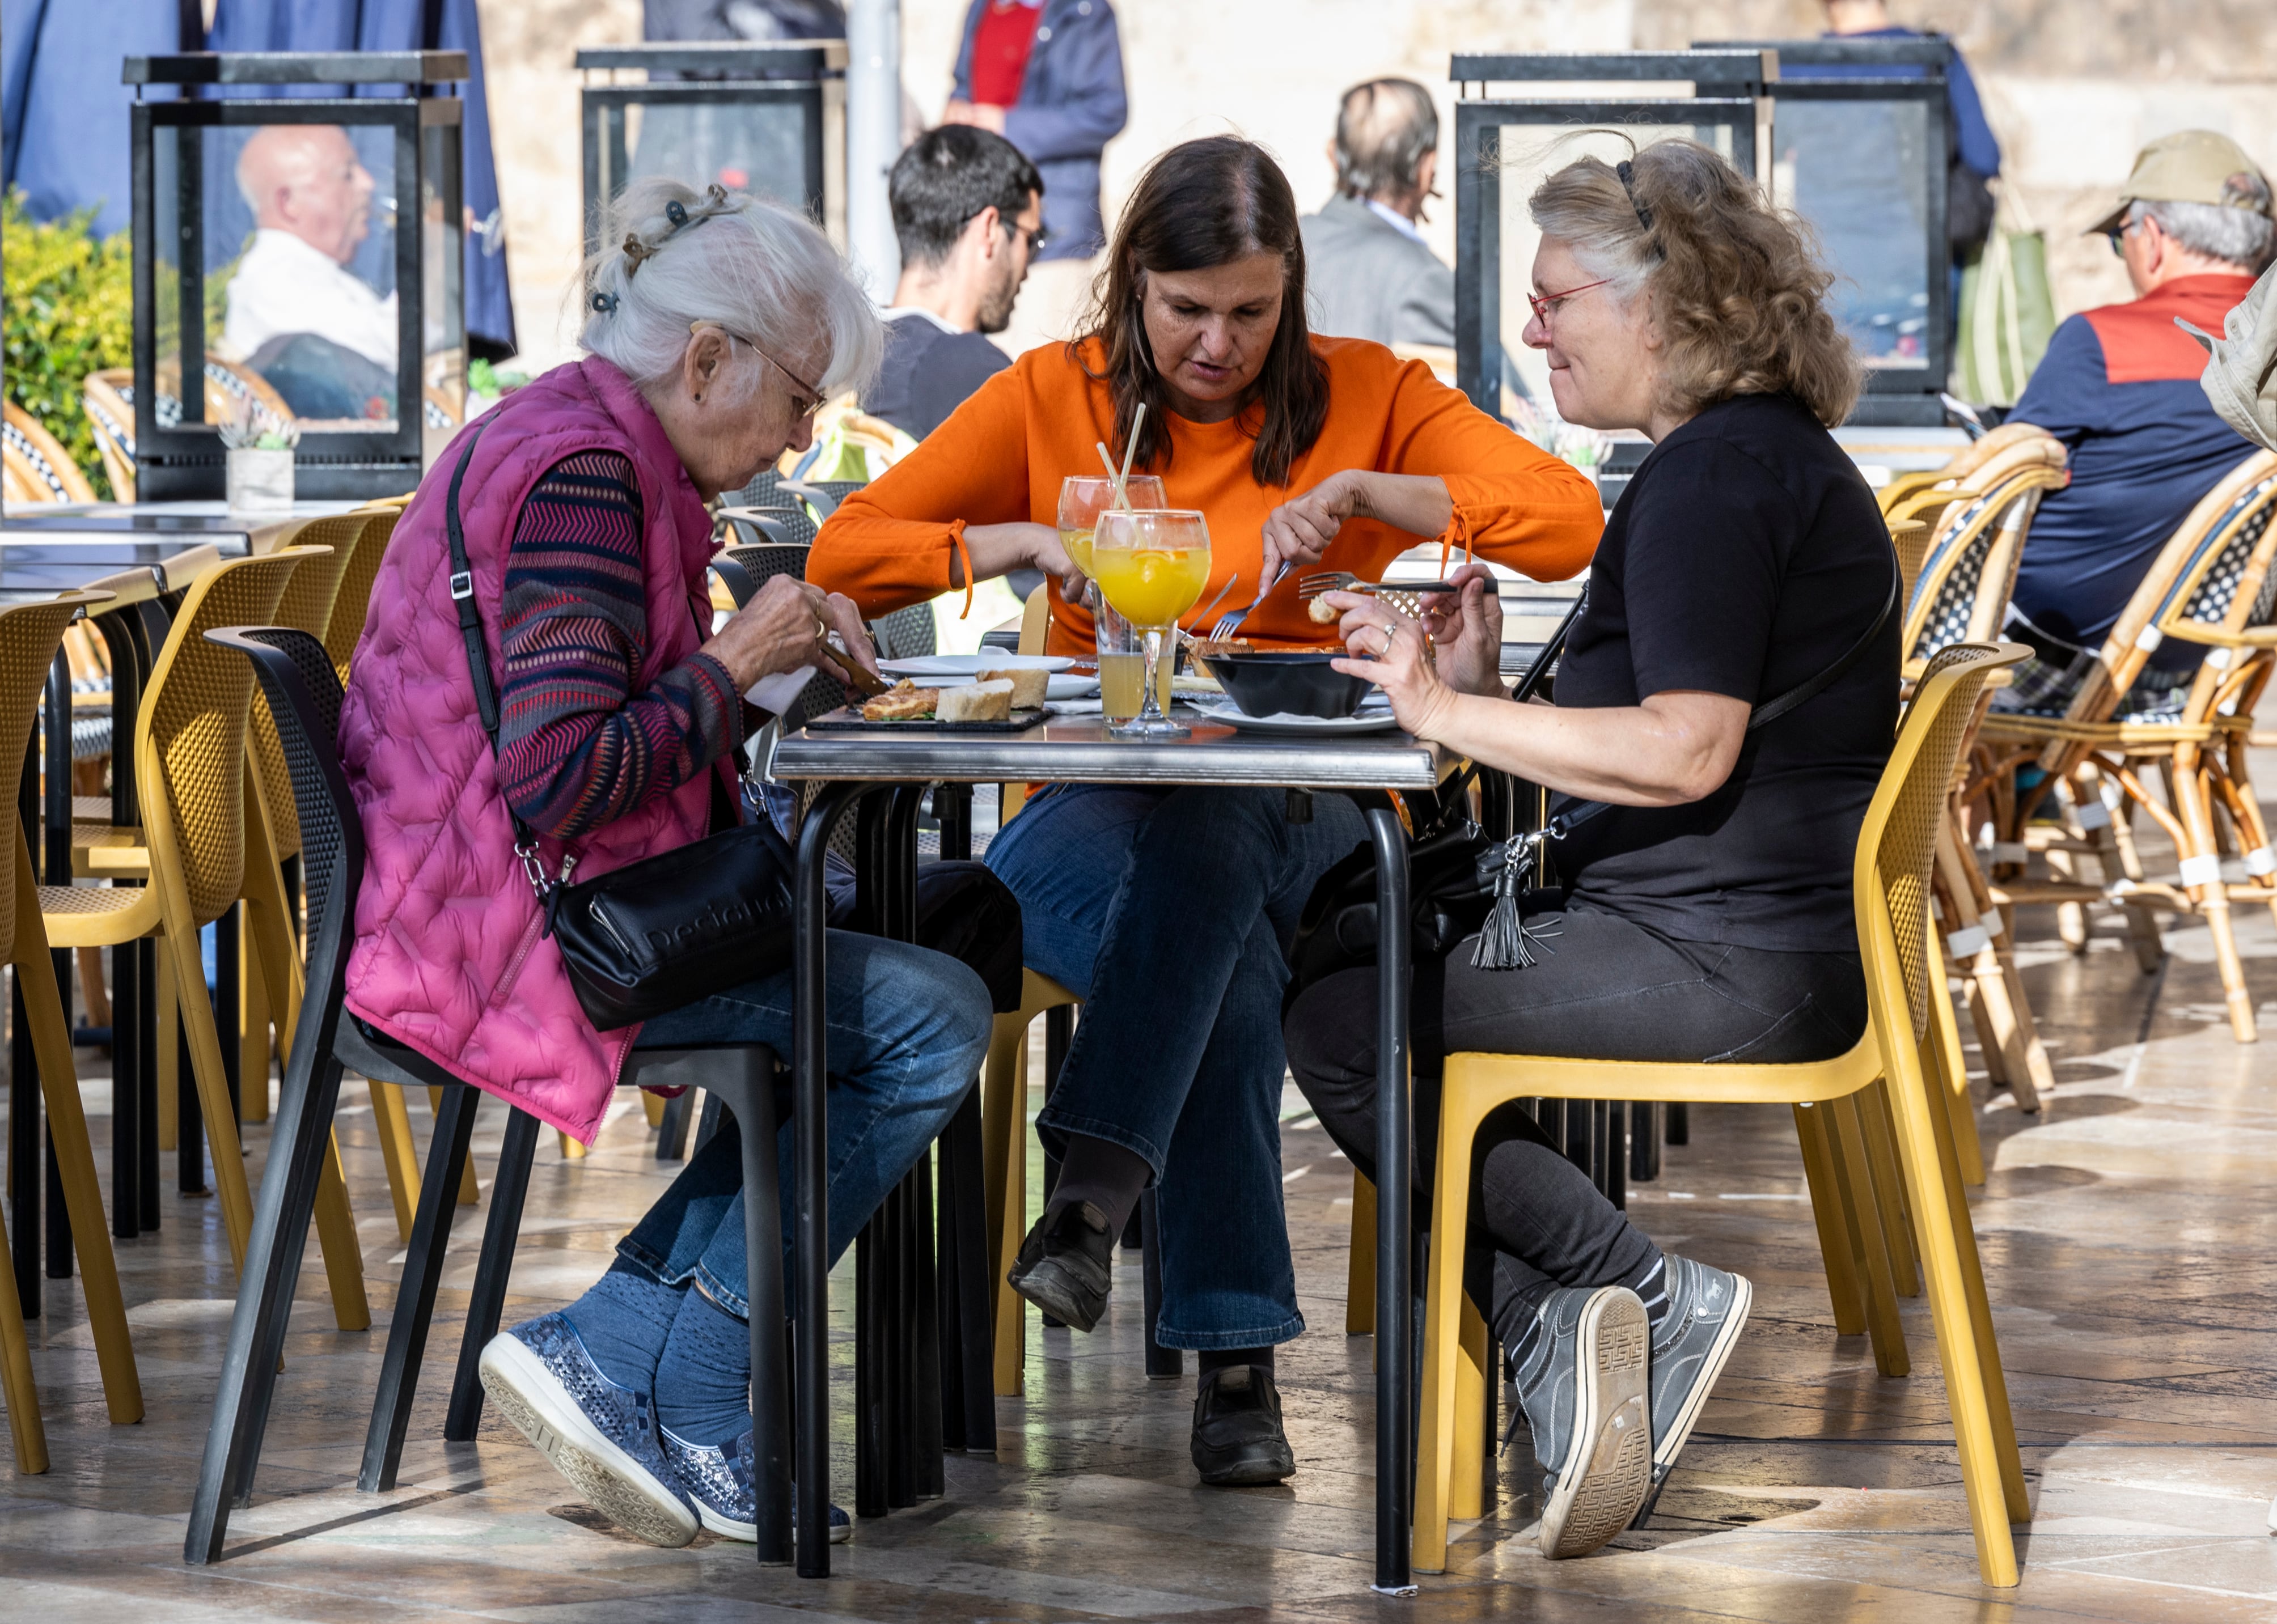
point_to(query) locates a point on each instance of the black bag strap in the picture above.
(1577, 813)
(462, 598)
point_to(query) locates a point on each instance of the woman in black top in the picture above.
(1706, 914)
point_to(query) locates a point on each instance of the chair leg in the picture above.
(1870, 1246)
(486, 1304)
(337, 1238)
(1360, 1259)
(1949, 1073)
(398, 1153)
(299, 1150)
(469, 1192)
(572, 1151)
(672, 1131)
(414, 1300)
(25, 1430)
(1004, 1146)
(652, 1107)
(166, 1048)
(1966, 1350)
(2142, 924)
(1842, 1287)
(763, 1245)
(253, 1023)
(1465, 1495)
(1889, 1190)
(196, 1014)
(1442, 1338)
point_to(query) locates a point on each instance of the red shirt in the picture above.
(1000, 51)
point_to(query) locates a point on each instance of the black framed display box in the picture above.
(1503, 145)
(1861, 144)
(1852, 135)
(766, 119)
(301, 253)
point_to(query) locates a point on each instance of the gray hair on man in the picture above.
(764, 274)
(2237, 231)
(1385, 129)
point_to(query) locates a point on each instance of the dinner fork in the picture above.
(1407, 597)
(1230, 622)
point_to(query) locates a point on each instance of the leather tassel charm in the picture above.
(1503, 943)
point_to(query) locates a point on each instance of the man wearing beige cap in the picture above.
(2119, 386)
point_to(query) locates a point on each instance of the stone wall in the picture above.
(2073, 88)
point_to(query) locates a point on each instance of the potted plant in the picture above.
(260, 461)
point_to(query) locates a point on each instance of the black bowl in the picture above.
(1296, 683)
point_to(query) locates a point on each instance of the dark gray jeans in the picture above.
(1606, 988)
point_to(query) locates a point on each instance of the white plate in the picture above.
(972, 664)
(1055, 687)
(1369, 721)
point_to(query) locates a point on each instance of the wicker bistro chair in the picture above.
(207, 849)
(108, 400)
(29, 635)
(34, 468)
(1891, 884)
(2213, 584)
(1959, 594)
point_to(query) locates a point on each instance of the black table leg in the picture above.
(811, 1208)
(130, 1123)
(55, 869)
(24, 1180)
(1395, 1421)
(146, 1080)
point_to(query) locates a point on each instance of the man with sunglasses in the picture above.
(968, 212)
(2119, 386)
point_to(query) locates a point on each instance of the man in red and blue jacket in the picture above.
(2119, 386)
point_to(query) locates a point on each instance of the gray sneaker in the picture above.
(718, 1477)
(1583, 1387)
(1707, 1308)
(599, 1436)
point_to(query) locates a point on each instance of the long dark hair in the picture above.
(1203, 203)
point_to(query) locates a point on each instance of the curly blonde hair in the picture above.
(1738, 290)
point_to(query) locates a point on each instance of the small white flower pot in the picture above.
(260, 481)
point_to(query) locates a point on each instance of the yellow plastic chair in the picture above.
(352, 598)
(208, 846)
(1890, 886)
(29, 636)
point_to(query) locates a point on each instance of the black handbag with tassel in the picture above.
(660, 933)
(1461, 880)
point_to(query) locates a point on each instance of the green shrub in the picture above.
(69, 304)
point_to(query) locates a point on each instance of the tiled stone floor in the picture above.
(2126, 1231)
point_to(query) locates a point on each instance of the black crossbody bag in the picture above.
(660, 933)
(1459, 880)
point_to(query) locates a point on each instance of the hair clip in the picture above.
(1627, 172)
(605, 303)
(676, 212)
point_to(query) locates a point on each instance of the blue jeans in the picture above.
(1170, 913)
(909, 1028)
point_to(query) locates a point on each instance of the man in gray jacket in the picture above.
(1368, 273)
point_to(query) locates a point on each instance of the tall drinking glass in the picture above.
(1084, 496)
(1151, 566)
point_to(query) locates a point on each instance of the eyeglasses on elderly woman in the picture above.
(805, 404)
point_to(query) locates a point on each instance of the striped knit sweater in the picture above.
(577, 747)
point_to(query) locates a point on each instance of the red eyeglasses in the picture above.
(1545, 305)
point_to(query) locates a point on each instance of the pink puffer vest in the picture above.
(448, 956)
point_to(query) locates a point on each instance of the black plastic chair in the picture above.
(304, 695)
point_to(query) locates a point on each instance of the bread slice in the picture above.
(976, 702)
(905, 701)
(1028, 686)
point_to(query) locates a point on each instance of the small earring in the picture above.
(699, 400)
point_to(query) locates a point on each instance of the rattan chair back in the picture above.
(1961, 591)
(108, 400)
(34, 468)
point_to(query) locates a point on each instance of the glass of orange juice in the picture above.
(1151, 566)
(1084, 496)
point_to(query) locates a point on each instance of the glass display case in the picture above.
(1580, 105)
(1862, 145)
(766, 119)
(298, 256)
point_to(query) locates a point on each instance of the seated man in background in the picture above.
(296, 313)
(1370, 273)
(968, 213)
(2119, 386)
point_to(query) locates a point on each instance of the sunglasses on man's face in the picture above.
(2117, 237)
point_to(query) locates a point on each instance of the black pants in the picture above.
(1606, 988)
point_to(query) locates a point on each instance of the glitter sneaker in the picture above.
(599, 1436)
(718, 1479)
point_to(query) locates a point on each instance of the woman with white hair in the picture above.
(717, 326)
(1724, 708)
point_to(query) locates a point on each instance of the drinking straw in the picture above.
(1113, 478)
(1131, 451)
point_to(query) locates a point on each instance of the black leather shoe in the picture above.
(1238, 1442)
(1065, 1266)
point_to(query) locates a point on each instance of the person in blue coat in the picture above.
(1048, 76)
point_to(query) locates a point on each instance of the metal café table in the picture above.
(847, 765)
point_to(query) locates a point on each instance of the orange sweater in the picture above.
(1001, 458)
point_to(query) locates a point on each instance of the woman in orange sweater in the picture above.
(1169, 911)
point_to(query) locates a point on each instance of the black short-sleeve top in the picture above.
(1746, 557)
